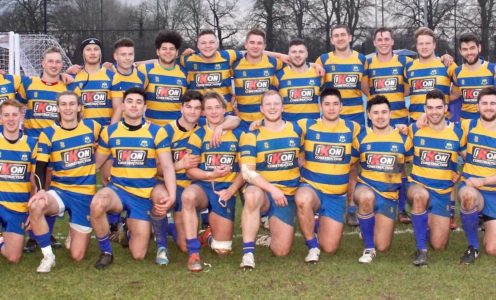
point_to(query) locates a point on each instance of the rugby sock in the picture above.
(312, 243)
(402, 195)
(419, 222)
(159, 226)
(45, 243)
(104, 244)
(317, 225)
(367, 224)
(452, 205)
(470, 224)
(351, 209)
(193, 246)
(172, 231)
(51, 222)
(248, 247)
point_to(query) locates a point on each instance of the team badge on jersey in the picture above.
(131, 157)
(77, 157)
(345, 81)
(382, 162)
(256, 86)
(433, 158)
(329, 153)
(94, 98)
(215, 160)
(12, 171)
(208, 79)
(301, 95)
(43, 109)
(280, 160)
(385, 84)
(165, 93)
(423, 85)
(484, 156)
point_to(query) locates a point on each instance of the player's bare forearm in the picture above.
(100, 159)
(117, 110)
(230, 122)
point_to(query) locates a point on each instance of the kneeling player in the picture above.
(18, 159)
(135, 146)
(269, 159)
(383, 152)
(68, 146)
(214, 183)
(435, 165)
(478, 190)
(325, 175)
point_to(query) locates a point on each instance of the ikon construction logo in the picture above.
(165, 93)
(434, 158)
(381, 162)
(43, 109)
(281, 160)
(179, 154)
(470, 95)
(484, 156)
(213, 79)
(77, 157)
(385, 84)
(216, 160)
(13, 171)
(94, 98)
(348, 81)
(131, 157)
(329, 153)
(301, 95)
(256, 86)
(423, 85)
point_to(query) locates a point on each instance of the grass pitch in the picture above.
(390, 276)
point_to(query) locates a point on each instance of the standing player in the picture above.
(325, 175)
(435, 164)
(9, 86)
(299, 85)
(69, 148)
(253, 75)
(18, 156)
(383, 153)
(269, 162)
(96, 86)
(478, 187)
(471, 77)
(135, 147)
(215, 182)
(165, 80)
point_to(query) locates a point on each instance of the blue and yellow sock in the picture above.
(193, 246)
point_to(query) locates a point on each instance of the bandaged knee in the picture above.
(221, 247)
(248, 175)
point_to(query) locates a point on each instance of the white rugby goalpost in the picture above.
(21, 54)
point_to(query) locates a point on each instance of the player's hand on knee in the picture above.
(279, 197)
(225, 194)
(39, 196)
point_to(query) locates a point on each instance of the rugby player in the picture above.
(215, 182)
(135, 146)
(325, 175)
(16, 166)
(435, 163)
(269, 162)
(478, 186)
(178, 133)
(68, 147)
(383, 153)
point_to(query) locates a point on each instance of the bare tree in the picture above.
(222, 15)
(322, 11)
(194, 19)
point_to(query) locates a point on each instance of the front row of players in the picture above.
(290, 169)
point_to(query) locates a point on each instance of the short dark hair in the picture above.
(341, 26)
(468, 37)
(123, 42)
(376, 100)
(297, 42)
(485, 92)
(256, 31)
(330, 92)
(435, 94)
(206, 32)
(170, 36)
(191, 95)
(383, 29)
(135, 90)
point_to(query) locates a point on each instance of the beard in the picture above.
(476, 59)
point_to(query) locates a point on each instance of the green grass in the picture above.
(390, 276)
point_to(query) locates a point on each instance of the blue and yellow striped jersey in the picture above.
(328, 154)
(275, 155)
(71, 155)
(17, 162)
(300, 92)
(212, 76)
(134, 154)
(123, 82)
(470, 82)
(9, 85)
(423, 77)
(387, 79)
(382, 160)
(480, 159)
(164, 88)
(346, 76)
(41, 101)
(435, 156)
(251, 80)
(96, 91)
(226, 154)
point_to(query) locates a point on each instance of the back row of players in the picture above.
(270, 151)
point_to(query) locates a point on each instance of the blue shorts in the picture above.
(244, 126)
(179, 205)
(439, 204)
(136, 207)
(214, 204)
(12, 221)
(382, 205)
(489, 208)
(331, 206)
(78, 206)
(286, 214)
